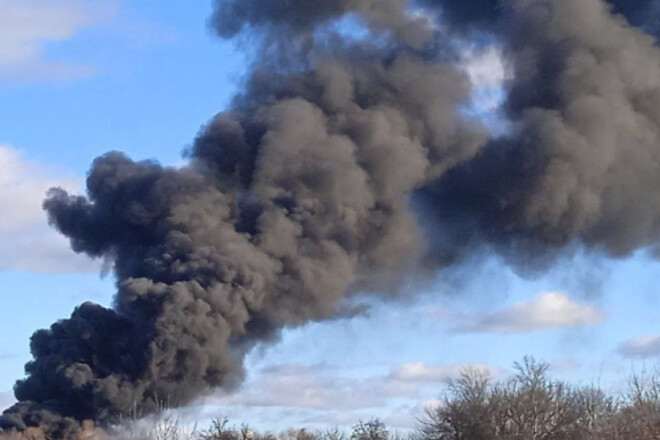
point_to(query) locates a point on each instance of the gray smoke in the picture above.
(580, 165)
(300, 194)
(293, 199)
(642, 13)
(293, 19)
(484, 15)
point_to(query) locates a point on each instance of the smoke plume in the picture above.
(312, 186)
(580, 163)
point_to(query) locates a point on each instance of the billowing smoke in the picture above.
(643, 13)
(294, 198)
(312, 187)
(581, 161)
(287, 20)
(483, 15)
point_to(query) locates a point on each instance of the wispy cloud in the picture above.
(423, 373)
(311, 387)
(28, 242)
(644, 347)
(28, 27)
(547, 310)
(564, 366)
(331, 391)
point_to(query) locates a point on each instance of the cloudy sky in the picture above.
(79, 78)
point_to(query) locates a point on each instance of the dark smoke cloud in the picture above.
(642, 13)
(294, 198)
(581, 162)
(484, 15)
(295, 18)
(480, 15)
(299, 195)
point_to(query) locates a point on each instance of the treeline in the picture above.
(169, 428)
(530, 405)
(533, 406)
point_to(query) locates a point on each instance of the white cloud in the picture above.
(28, 242)
(486, 67)
(641, 347)
(488, 72)
(315, 387)
(548, 310)
(23, 186)
(27, 27)
(335, 396)
(7, 399)
(420, 372)
(431, 404)
(564, 366)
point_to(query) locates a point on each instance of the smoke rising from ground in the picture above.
(299, 195)
(293, 198)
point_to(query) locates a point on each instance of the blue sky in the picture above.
(142, 77)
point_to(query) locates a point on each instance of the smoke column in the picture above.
(314, 184)
(293, 198)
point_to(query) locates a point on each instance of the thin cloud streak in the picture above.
(644, 347)
(323, 388)
(423, 373)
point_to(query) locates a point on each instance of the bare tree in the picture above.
(374, 429)
(332, 434)
(532, 406)
(219, 430)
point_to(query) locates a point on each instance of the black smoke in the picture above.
(642, 13)
(294, 198)
(579, 165)
(312, 187)
(484, 15)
